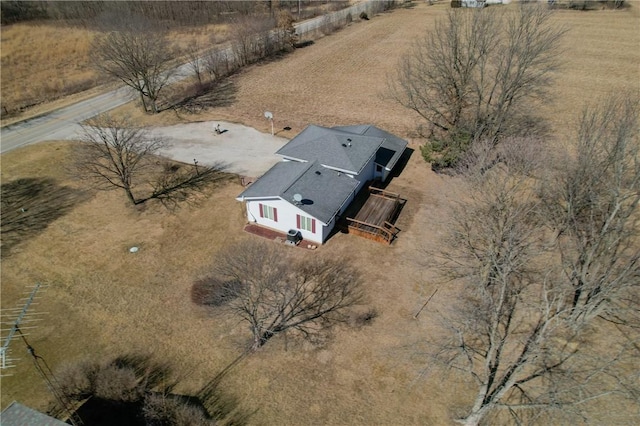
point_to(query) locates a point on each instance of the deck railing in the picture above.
(382, 192)
(373, 232)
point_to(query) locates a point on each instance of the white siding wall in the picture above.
(286, 218)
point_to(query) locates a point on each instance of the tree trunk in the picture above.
(130, 196)
(144, 104)
(473, 419)
(259, 339)
(154, 106)
(478, 411)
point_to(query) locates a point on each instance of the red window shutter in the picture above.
(275, 214)
(313, 226)
(261, 213)
(298, 221)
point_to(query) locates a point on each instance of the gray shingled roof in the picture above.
(332, 147)
(17, 414)
(392, 146)
(323, 190)
(276, 180)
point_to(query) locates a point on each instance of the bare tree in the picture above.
(472, 77)
(274, 293)
(219, 63)
(196, 61)
(511, 331)
(252, 39)
(493, 241)
(285, 32)
(593, 208)
(139, 56)
(116, 154)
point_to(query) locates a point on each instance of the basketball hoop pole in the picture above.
(269, 116)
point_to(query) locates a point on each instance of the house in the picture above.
(322, 171)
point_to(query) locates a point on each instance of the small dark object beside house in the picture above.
(293, 237)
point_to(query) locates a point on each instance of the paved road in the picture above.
(60, 124)
(63, 124)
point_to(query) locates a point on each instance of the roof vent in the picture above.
(318, 172)
(344, 144)
(348, 139)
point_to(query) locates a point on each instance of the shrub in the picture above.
(160, 410)
(364, 16)
(77, 380)
(446, 152)
(118, 383)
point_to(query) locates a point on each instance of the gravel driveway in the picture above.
(242, 150)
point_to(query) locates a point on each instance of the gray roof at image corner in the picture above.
(333, 147)
(17, 414)
(323, 190)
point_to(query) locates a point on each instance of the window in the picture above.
(306, 223)
(269, 212)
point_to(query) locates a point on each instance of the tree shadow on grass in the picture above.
(29, 205)
(197, 98)
(221, 405)
(113, 398)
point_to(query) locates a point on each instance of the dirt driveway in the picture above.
(242, 150)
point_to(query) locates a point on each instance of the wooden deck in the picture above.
(375, 219)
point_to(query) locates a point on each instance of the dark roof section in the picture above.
(392, 146)
(332, 147)
(323, 190)
(17, 414)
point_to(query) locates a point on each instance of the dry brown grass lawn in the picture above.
(103, 300)
(42, 62)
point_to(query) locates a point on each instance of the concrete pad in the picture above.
(243, 150)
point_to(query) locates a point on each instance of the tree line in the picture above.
(141, 55)
(170, 13)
